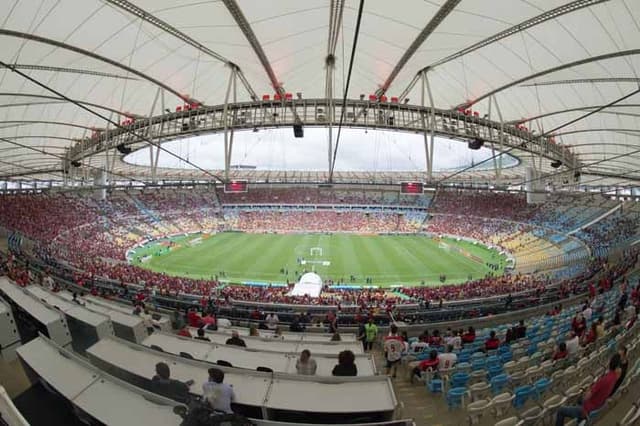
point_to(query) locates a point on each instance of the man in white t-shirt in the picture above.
(272, 321)
(587, 313)
(219, 395)
(447, 360)
(393, 347)
(455, 340)
(573, 344)
(417, 346)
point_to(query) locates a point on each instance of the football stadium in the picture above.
(319, 212)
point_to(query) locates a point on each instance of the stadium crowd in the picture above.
(323, 221)
(93, 236)
(314, 195)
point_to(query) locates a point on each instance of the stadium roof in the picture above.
(544, 62)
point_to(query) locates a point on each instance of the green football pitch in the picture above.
(276, 258)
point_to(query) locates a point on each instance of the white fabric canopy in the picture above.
(293, 35)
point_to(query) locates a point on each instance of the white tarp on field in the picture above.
(310, 283)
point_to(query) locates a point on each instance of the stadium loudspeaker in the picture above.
(556, 164)
(298, 131)
(476, 144)
(124, 150)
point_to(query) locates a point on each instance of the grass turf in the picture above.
(387, 259)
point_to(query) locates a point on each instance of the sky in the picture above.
(277, 149)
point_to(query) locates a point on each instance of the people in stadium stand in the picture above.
(520, 330)
(184, 332)
(447, 360)
(624, 365)
(194, 319)
(469, 336)
(595, 397)
(306, 365)
(209, 321)
(572, 343)
(296, 326)
(600, 331)
(393, 348)
(455, 340)
(590, 336)
(272, 320)
(201, 335)
(147, 319)
(492, 343)
(93, 236)
(435, 339)
(579, 325)
(235, 340)
(219, 395)
(587, 312)
(163, 384)
(346, 365)
(429, 364)
(370, 334)
(560, 352)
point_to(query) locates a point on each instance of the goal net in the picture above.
(315, 251)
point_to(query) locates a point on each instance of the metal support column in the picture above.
(154, 163)
(150, 130)
(228, 131)
(493, 147)
(330, 68)
(430, 137)
(541, 130)
(501, 139)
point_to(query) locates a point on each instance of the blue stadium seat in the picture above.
(459, 380)
(522, 394)
(464, 357)
(434, 385)
(478, 364)
(494, 370)
(506, 357)
(498, 383)
(493, 361)
(540, 387)
(455, 397)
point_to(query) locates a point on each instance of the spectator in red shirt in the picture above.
(184, 332)
(592, 291)
(435, 339)
(194, 319)
(430, 363)
(492, 342)
(591, 335)
(579, 325)
(256, 315)
(469, 336)
(595, 397)
(561, 352)
(209, 321)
